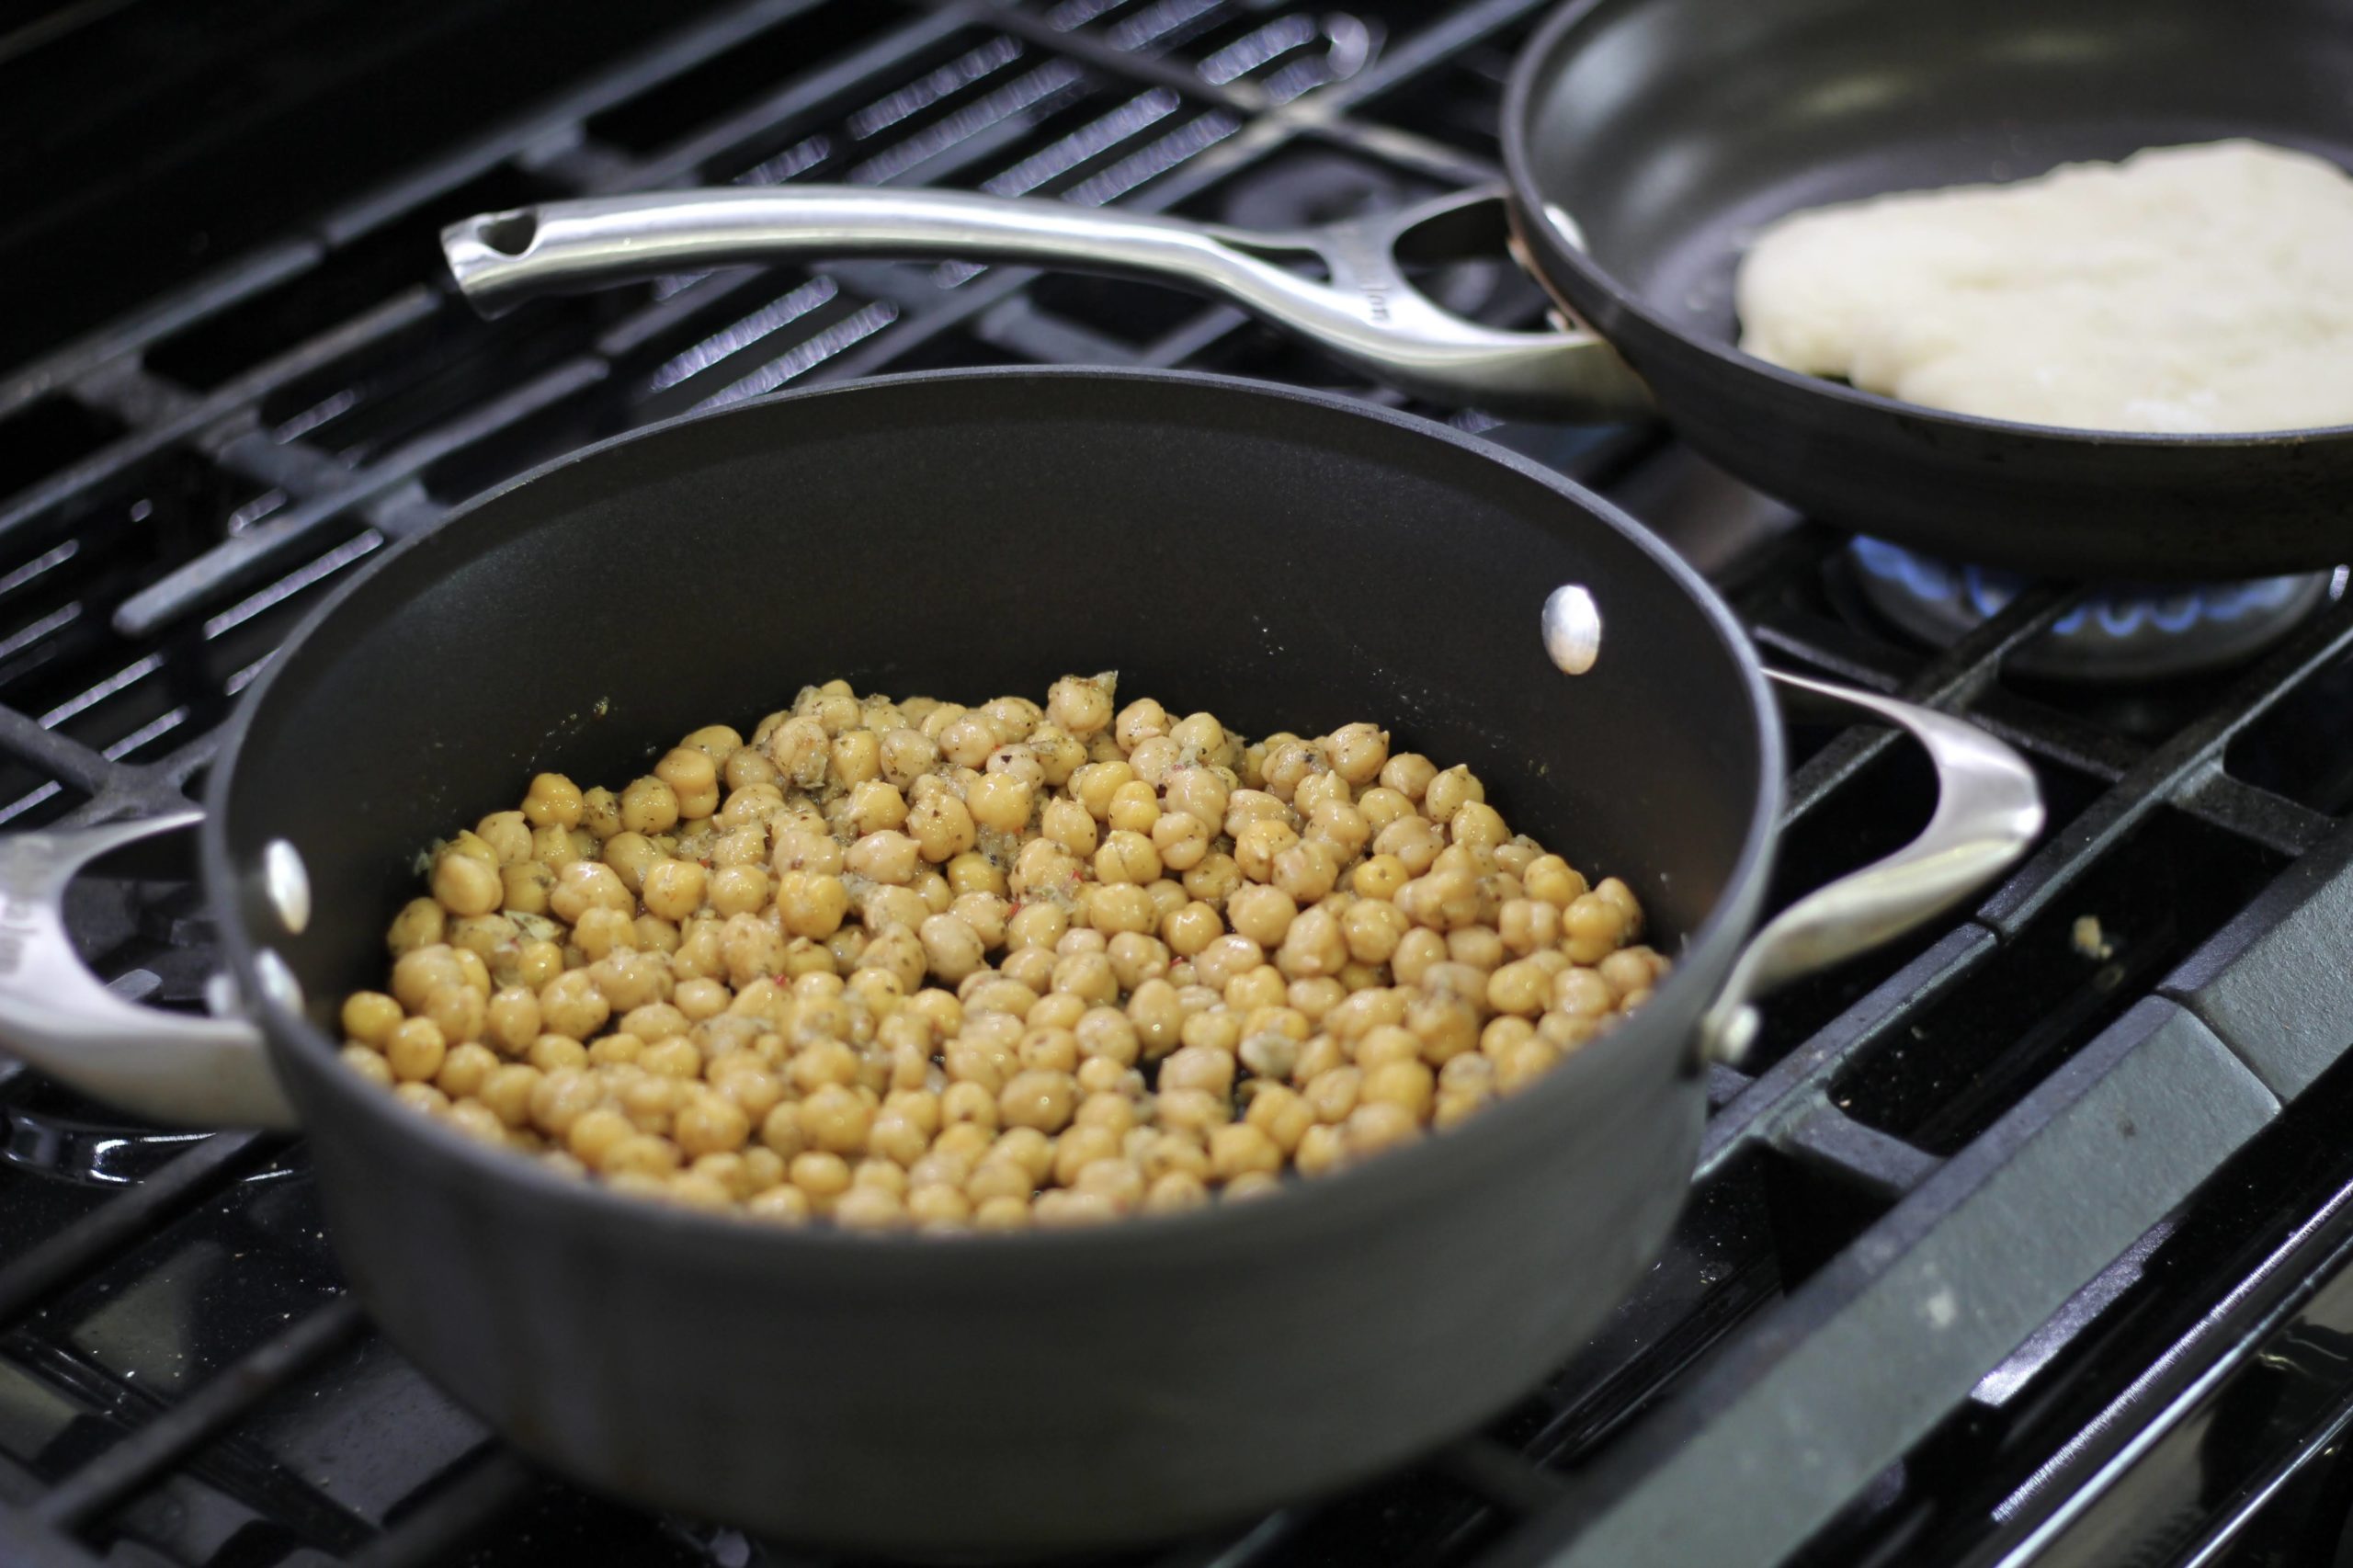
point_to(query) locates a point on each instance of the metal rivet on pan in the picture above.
(278, 981)
(1730, 1043)
(1564, 225)
(287, 884)
(220, 996)
(1573, 628)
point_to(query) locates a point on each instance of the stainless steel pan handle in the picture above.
(55, 1015)
(1367, 313)
(1988, 811)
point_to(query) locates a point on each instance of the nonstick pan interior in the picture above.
(1671, 130)
(1277, 561)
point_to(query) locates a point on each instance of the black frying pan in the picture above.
(1280, 558)
(1645, 140)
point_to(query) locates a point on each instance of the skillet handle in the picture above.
(56, 1016)
(1988, 811)
(1368, 315)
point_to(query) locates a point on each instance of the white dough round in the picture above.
(2186, 289)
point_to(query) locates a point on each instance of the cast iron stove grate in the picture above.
(2017, 1243)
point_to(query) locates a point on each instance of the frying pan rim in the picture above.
(1537, 63)
(1358, 1192)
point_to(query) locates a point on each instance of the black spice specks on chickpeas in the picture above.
(909, 965)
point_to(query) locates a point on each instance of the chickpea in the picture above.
(506, 835)
(856, 757)
(1333, 1094)
(464, 1068)
(1108, 1109)
(1116, 907)
(416, 1050)
(524, 889)
(553, 801)
(942, 827)
(1021, 761)
(1030, 1147)
(1321, 1150)
(1239, 1149)
(572, 1006)
(1199, 732)
(1523, 1064)
(710, 1124)
(1059, 1011)
(536, 963)
(1446, 1026)
(692, 777)
(1135, 958)
(1409, 774)
(1444, 900)
(1409, 1084)
(556, 1052)
(824, 1176)
(1595, 925)
(1002, 1214)
(1214, 878)
(1628, 971)
(465, 883)
(1307, 871)
(1079, 708)
(1200, 794)
(1518, 988)
(1173, 1192)
(1358, 752)
(600, 814)
(628, 980)
(1529, 925)
(1139, 722)
(1290, 765)
(1479, 948)
(369, 1017)
(648, 806)
(1314, 997)
(1313, 947)
(507, 1091)
(1477, 826)
(1114, 1181)
(1258, 844)
(1000, 801)
(1043, 1100)
(368, 1063)
(583, 885)
(1192, 928)
(1127, 856)
(782, 1205)
(1260, 987)
(1282, 1115)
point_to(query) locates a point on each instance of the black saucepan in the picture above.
(1282, 559)
(1645, 140)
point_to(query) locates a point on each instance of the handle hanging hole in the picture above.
(509, 234)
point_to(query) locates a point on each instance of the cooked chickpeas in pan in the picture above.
(910, 966)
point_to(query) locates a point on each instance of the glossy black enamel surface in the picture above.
(1280, 559)
(1669, 131)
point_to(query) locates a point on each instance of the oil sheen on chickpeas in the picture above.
(906, 965)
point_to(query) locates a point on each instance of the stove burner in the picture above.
(2126, 630)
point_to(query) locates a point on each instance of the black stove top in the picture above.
(2019, 1244)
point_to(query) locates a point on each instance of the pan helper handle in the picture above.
(1988, 811)
(56, 1016)
(1363, 312)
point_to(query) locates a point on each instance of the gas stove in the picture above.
(2021, 1243)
